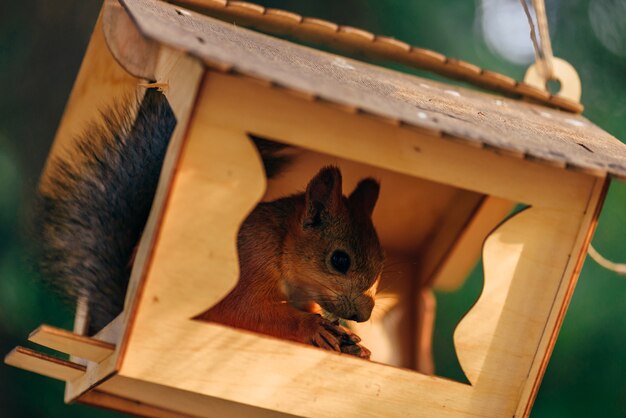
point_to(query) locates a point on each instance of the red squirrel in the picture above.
(297, 254)
(313, 248)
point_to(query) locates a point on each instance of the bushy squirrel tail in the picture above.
(91, 212)
(95, 203)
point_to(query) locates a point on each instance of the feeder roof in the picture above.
(512, 127)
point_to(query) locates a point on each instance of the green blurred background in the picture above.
(41, 45)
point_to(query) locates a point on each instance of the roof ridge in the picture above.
(283, 22)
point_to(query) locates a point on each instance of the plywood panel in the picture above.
(121, 404)
(72, 344)
(43, 364)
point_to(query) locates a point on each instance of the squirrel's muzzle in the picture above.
(357, 309)
(364, 306)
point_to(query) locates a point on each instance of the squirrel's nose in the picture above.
(361, 316)
(364, 305)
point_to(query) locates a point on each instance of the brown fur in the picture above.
(285, 270)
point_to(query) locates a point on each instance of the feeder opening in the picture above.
(431, 234)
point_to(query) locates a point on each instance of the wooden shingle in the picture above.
(505, 125)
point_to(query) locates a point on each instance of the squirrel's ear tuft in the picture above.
(364, 197)
(323, 195)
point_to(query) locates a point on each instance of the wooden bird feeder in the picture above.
(453, 163)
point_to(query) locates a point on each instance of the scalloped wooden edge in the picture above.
(283, 22)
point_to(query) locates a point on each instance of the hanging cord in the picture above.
(545, 60)
(544, 35)
(607, 264)
(543, 47)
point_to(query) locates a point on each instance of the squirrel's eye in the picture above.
(340, 261)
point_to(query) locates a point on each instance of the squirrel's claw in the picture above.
(346, 333)
(356, 350)
(333, 336)
(325, 339)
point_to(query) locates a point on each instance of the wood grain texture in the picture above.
(43, 364)
(505, 125)
(135, 53)
(563, 72)
(524, 261)
(323, 128)
(72, 344)
(446, 231)
(121, 404)
(530, 263)
(448, 261)
(308, 29)
(204, 210)
(424, 330)
(183, 75)
(179, 403)
(565, 292)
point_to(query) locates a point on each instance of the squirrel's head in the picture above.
(334, 258)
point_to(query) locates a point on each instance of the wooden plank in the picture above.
(227, 189)
(43, 364)
(122, 404)
(81, 316)
(165, 399)
(239, 103)
(425, 326)
(183, 75)
(132, 51)
(460, 255)
(564, 295)
(446, 231)
(529, 263)
(214, 361)
(511, 126)
(72, 344)
(96, 373)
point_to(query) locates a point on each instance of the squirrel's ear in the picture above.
(364, 197)
(323, 195)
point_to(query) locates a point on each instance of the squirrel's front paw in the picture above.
(333, 336)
